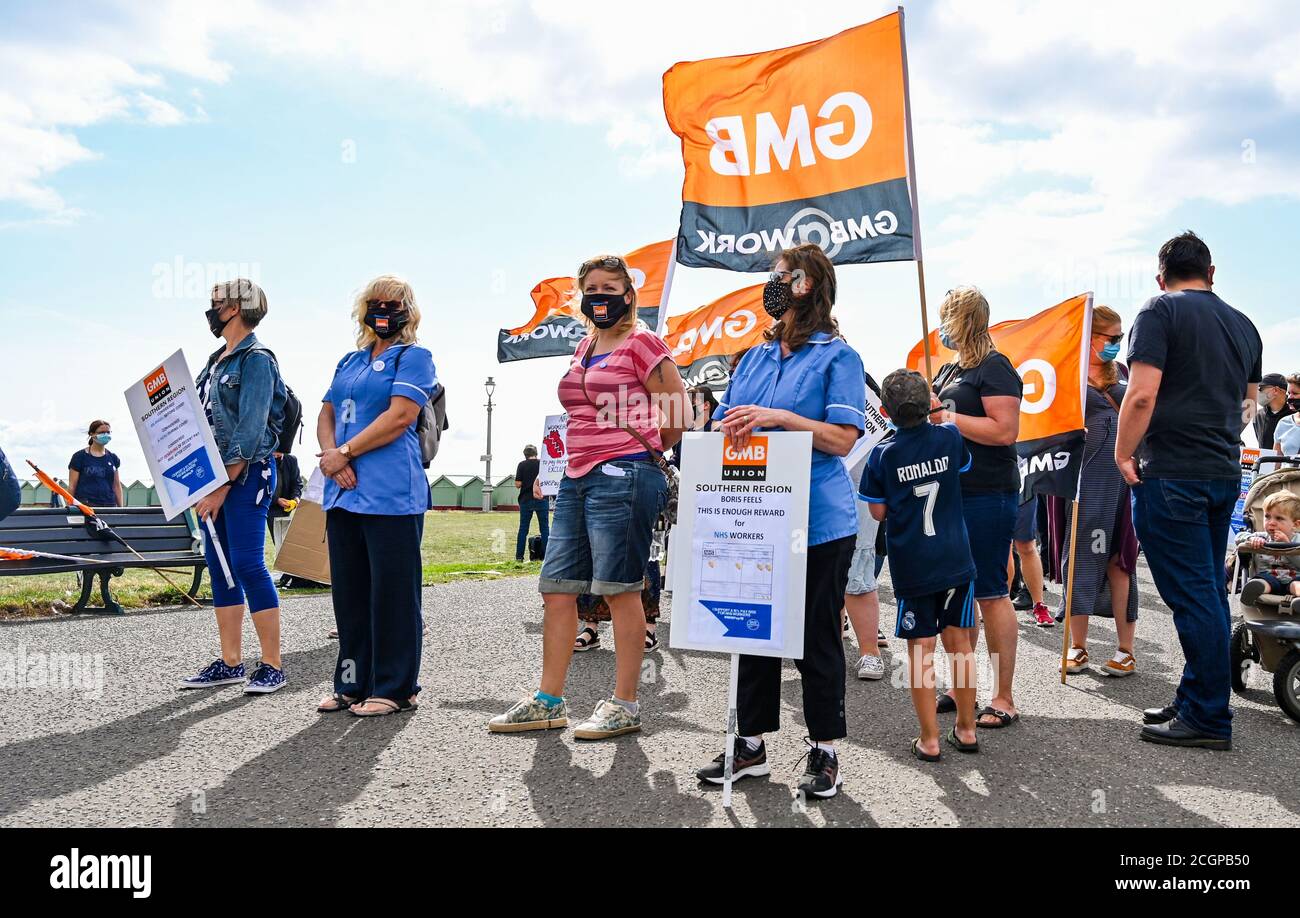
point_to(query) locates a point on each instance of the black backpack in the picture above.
(292, 425)
(432, 421)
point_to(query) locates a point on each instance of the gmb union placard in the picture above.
(743, 517)
(175, 436)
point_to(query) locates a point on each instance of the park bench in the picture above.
(172, 547)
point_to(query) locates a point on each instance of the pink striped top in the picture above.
(616, 383)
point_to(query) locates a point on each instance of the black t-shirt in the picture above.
(1208, 353)
(994, 469)
(1266, 424)
(526, 474)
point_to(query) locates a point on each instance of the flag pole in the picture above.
(668, 288)
(1085, 351)
(1069, 583)
(911, 190)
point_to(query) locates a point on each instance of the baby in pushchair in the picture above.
(1275, 572)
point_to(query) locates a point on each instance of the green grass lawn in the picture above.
(457, 546)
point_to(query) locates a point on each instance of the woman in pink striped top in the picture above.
(626, 404)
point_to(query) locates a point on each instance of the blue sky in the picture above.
(477, 148)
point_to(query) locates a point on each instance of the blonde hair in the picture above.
(965, 316)
(1285, 501)
(1109, 318)
(615, 264)
(386, 287)
(250, 297)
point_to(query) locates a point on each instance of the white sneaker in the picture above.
(870, 667)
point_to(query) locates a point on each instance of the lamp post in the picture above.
(490, 386)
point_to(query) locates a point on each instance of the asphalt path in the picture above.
(119, 745)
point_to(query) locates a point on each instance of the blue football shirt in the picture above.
(917, 476)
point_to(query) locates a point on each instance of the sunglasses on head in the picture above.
(608, 262)
(388, 305)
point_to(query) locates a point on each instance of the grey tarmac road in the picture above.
(138, 752)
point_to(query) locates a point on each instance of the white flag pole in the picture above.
(911, 189)
(728, 765)
(668, 287)
(221, 555)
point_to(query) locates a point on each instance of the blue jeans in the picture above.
(604, 522)
(1183, 528)
(527, 507)
(241, 527)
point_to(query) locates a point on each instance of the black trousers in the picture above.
(822, 670)
(375, 573)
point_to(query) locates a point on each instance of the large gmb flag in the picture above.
(703, 341)
(1050, 352)
(804, 144)
(555, 327)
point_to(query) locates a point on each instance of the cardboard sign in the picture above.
(740, 545)
(304, 552)
(174, 433)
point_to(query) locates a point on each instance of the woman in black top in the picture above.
(980, 393)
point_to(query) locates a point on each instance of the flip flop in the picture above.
(341, 703)
(390, 707)
(923, 756)
(945, 704)
(1003, 718)
(957, 744)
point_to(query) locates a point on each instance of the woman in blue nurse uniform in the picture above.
(804, 378)
(376, 496)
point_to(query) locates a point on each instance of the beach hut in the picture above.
(446, 493)
(471, 494)
(504, 494)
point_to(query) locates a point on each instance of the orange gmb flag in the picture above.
(556, 327)
(704, 340)
(1050, 352)
(803, 144)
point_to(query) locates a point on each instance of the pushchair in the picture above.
(1269, 634)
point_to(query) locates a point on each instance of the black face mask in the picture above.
(777, 298)
(214, 324)
(605, 310)
(1293, 404)
(385, 324)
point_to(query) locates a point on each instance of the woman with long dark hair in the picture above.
(804, 378)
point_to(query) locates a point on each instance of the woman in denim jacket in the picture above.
(244, 398)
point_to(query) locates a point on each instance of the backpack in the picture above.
(536, 548)
(291, 426)
(432, 421)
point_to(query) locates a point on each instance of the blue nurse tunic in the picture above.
(390, 480)
(824, 380)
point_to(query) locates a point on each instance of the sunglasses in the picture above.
(780, 276)
(608, 262)
(387, 305)
(1113, 339)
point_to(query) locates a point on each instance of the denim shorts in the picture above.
(990, 520)
(1027, 520)
(601, 530)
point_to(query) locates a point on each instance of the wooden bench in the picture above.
(173, 547)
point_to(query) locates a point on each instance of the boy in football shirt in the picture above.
(912, 483)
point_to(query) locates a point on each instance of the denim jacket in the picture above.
(247, 401)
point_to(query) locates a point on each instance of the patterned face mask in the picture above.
(777, 298)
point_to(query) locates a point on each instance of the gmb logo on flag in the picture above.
(802, 144)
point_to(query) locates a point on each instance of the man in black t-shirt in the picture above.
(1195, 368)
(525, 476)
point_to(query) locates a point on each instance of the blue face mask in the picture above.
(945, 340)
(102, 439)
(1109, 353)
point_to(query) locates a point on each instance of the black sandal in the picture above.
(389, 707)
(945, 704)
(1003, 718)
(587, 639)
(651, 641)
(343, 703)
(923, 756)
(957, 744)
